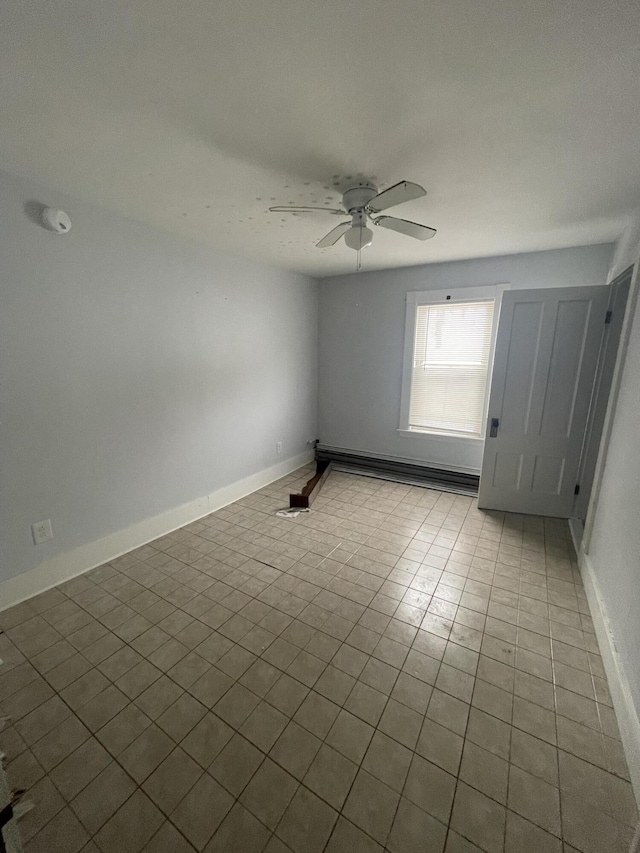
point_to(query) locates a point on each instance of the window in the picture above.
(448, 354)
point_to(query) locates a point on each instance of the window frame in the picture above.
(439, 297)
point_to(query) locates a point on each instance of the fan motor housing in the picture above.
(358, 197)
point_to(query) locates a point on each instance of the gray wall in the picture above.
(614, 549)
(138, 373)
(362, 319)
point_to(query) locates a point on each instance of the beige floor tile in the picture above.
(581, 741)
(307, 824)
(493, 700)
(534, 719)
(350, 660)
(188, 670)
(448, 711)
(25, 770)
(380, 675)
(455, 682)
(131, 826)
(457, 844)
(295, 749)
(330, 776)
(414, 830)
(534, 799)
(440, 746)
(39, 722)
(421, 666)
(264, 726)
(347, 838)
(96, 803)
(239, 832)
(168, 840)
(79, 768)
(317, 714)
(371, 805)
(102, 708)
(486, 772)
(236, 763)
(123, 729)
(525, 837)
(287, 694)
(211, 687)
(138, 679)
(236, 705)
(350, 736)
(63, 834)
(269, 793)
(375, 648)
(590, 830)
(577, 708)
(478, 818)
(535, 756)
(171, 780)
(49, 803)
(401, 723)
(366, 702)
(146, 752)
(181, 717)
(430, 788)
(60, 742)
(202, 811)
(388, 761)
(28, 698)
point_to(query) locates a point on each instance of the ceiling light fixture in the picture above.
(359, 237)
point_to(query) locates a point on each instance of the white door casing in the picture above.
(546, 354)
(618, 295)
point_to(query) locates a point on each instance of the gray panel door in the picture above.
(545, 360)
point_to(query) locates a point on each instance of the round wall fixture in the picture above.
(56, 220)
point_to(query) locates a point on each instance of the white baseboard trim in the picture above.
(576, 528)
(65, 566)
(627, 716)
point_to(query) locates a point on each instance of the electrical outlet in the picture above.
(41, 531)
(278, 447)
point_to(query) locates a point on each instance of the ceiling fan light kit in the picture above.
(360, 203)
(358, 238)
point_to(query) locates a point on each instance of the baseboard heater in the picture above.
(401, 471)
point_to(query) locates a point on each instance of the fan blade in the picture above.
(296, 209)
(403, 226)
(398, 193)
(334, 235)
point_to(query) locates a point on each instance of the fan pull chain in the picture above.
(358, 260)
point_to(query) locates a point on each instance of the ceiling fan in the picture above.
(360, 203)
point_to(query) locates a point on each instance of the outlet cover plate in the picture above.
(42, 531)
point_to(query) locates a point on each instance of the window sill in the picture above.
(442, 436)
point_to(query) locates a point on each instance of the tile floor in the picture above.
(395, 671)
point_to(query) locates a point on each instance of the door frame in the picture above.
(618, 298)
(584, 541)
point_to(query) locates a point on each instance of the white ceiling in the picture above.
(521, 118)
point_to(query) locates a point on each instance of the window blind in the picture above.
(450, 367)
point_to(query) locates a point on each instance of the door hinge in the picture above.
(607, 317)
(576, 491)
